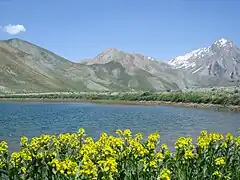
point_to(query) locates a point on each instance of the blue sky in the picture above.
(79, 29)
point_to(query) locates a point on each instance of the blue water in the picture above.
(33, 119)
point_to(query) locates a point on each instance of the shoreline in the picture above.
(215, 107)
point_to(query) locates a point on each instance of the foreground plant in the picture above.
(125, 156)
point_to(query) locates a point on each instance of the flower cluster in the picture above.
(124, 156)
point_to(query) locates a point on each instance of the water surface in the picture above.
(33, 119)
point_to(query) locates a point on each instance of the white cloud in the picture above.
(14, 29)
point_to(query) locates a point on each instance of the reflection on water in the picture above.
(33, 119)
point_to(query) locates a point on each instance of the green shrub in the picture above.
(124, 156)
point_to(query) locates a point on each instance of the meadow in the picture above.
(124, 156)
(224, 98)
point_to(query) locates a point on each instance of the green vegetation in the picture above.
(122, 157)
(214, 97)
(25, 67)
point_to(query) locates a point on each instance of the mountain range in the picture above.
(25, 67)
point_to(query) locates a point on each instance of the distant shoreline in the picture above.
(215, 107)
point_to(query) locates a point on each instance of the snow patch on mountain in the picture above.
(197, 70)
(221, 41)
(182, 61)
(186, 60)
(150, 58)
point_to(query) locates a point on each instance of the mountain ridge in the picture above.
(217, 64)
(26, 67)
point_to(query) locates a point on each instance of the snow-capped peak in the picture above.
(182, 61)
(186, 60)
(223, 42)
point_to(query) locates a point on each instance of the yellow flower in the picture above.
(151, 145)
(127, 133)
(103, 137)
(237, 140)
(154, 137)
(35, 144)
(56, 142)
(159, 156)
(139, 136)
(214, 137)
(229, 137)
(119, 132)
(217, 173)
(153, 164)
(89, 140)
(203, 140)
(164, 146)
(24, 141)
(107, 150)
(66, 167)
(204, 133)
(165, 174)
(189, 154)
(54, 163)
(152, 140)
(72, 156)
(220, 161)
(25, 155)
(118, 142)
(44, 140)
(3, 147)
(136, 148)
(183, 143)
(88, 167)
(112, 165)
(223, 144)
(39, 155)
(168, 153)
(81, 132)
(15, 159)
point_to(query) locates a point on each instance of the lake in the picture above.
(33, 119)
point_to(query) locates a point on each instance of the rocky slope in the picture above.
(215, 65)
(25, 67)
(157, 73)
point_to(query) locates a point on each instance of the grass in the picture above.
(219, 98)
(125, 156)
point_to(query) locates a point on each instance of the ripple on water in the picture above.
(33, 119)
